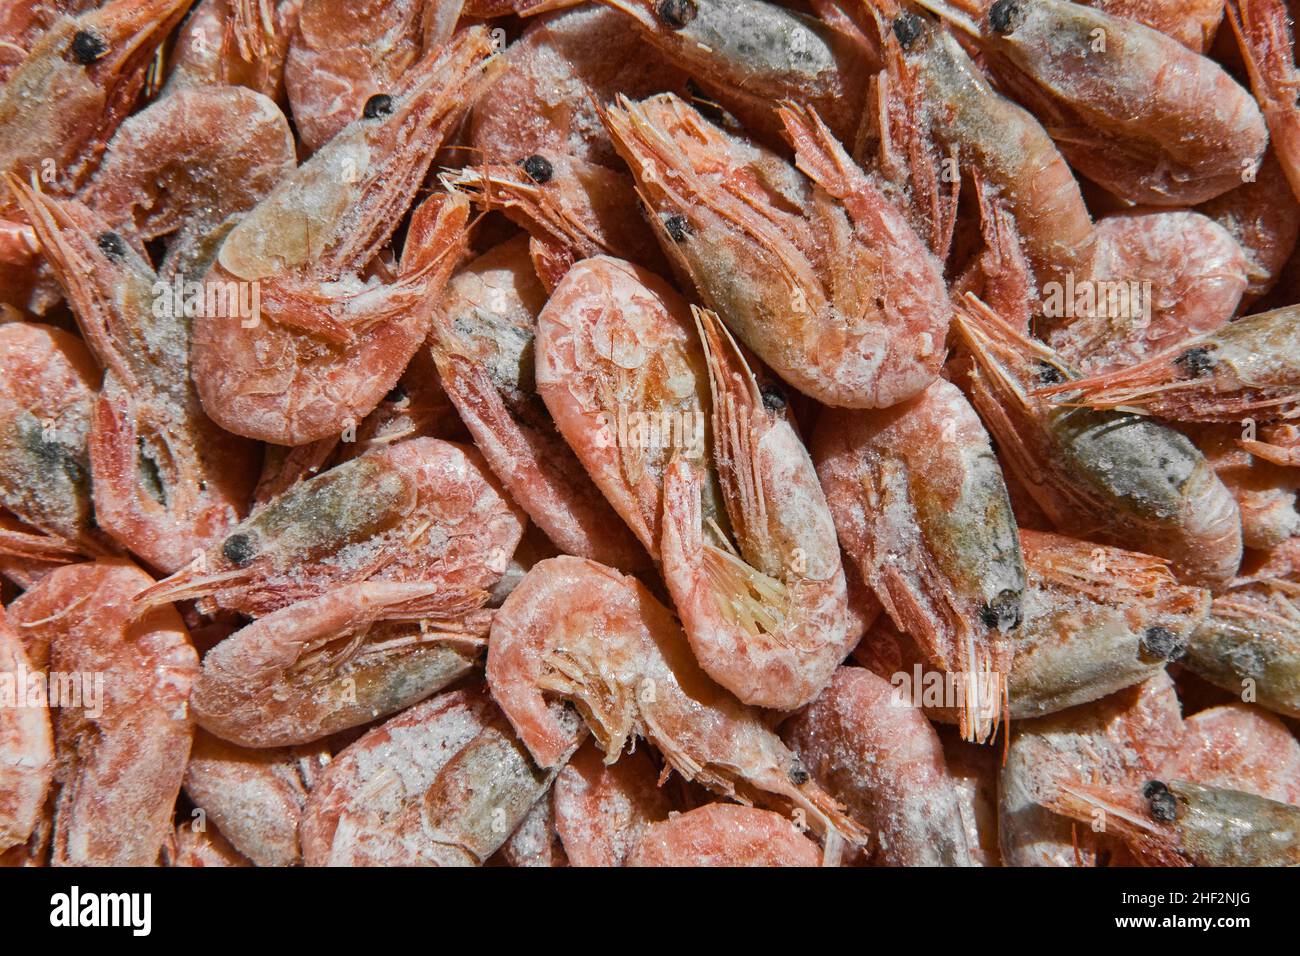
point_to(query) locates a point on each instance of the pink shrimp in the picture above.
(974, 773)
(166, 480)
(189, 847)
(602, 810)
(123, 743)
(767, 623)
(23, 22)
(1191, 22)
(1265, 491)
(234, 43)
(26, 743)
(326, 346)
(579, 631)
(534, 842)
(884, 761)
(920, 505)
(1263, 31)
(856, 320)
(1278, 443)
(1250, 367)
(723, 834)
(1239, 747)
(482, 344)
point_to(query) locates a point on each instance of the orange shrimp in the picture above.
(579, 631)
(326, 345)
(1265, 491)
(234, 43)
(602, 810)
(1191, 22)
(1250, 367)
(1239, 747)
(819, 274)
(1263, 31)
(920, 505)
(26, 743)
(767, 623)
(723, 834)
(23, 22)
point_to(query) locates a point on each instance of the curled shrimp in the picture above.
(424, 511)
(819, 274)
(723, 834)
(584, 633)
(1106, 475)
(326, 346)
(26, 744)
(325, 664)
(920, 506)
(122, 746)
(1264, 217)
(767, 623)
(1185, 824)
(167, 481)
(602, 810)
(1263, 31)
(1135, 111)
(234, 43)
(482, 344)
(1248, 368)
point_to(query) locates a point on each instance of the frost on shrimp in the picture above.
(1264, 33)
(1114, 477)
(234, 43)
(602, 810)
(1239, 747)
(921, 506)
(26, 743)
(812, 268)
(1265, 491)
(586, 634)
(482, 344)
(724, 834)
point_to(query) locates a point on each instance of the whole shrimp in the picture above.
(819, 274)
(723, 834)
(26, 743)
(767, 623)
(921, 507)
(579, 631)
(1109, 476)
(1264, 34)
(482, 344)
(326, 345)
(1132, 109)
(885, 762)
(1248, 368)
(167, 481)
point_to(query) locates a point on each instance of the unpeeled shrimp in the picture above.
(1264, 217)
(579, 631)
(1239, 747)
(602, 810)
(26, 743)
(1266, 492)
(723, 834)
(234, 43)
(1263, 30)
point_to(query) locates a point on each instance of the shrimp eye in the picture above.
(86, 48)
(677, 13)
(773, 400)
(1049, 374)
(381, 104)
(907, 28)
(1195, 362)
(111, 245)
(1003, 612)
(1162, 803)
(396, 394)
(238, 549)
(1162, 644)
(538, 169)
(677, 227)
(798, 775)
(1004, 16)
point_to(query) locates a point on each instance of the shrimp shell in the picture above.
(723, 834)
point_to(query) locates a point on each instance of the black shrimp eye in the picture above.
(86, 48)
(1049, 374)
(1195, 362)
(773, 400)
(111, 245)
(238, 549)
(907, 28)
(798, 775)
(396, 394)
(1162, 803)
(1003, 612)
(538, 169)
(381, 104)
(1004, 16)
(1162, 644)
(677, 13)
(677, 228)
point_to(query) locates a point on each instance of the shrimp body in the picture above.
(769, 624)
(819, 274)
(1264, 33)
(602, 810)
(920, 505)
(1119, 478)
(1250, 367)
(327, 345)
(1239, 747)
(723, 834)
(234, 43)
(26, 746)
(585, 633)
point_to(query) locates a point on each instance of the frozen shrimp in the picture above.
(1265, 491)
(723, 834)
(189, 847)
(1264, 217)
(23, 22)
(1239, 747)
(326, 345)
(1118, 478)
(1264, 34)
(920, 505)
(974, 773)
(121, 746)
(602, 810)
(1278, 443)
(584, 633)
(1191, 22)
(1248, 368)
(234, 43)
(812, 268)
(166, 480)
(26, 743)
(535, 842)
(618, 364)
(766, 620)
(482, 344)
(884, 761)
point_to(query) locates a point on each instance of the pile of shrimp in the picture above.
(649, 433)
